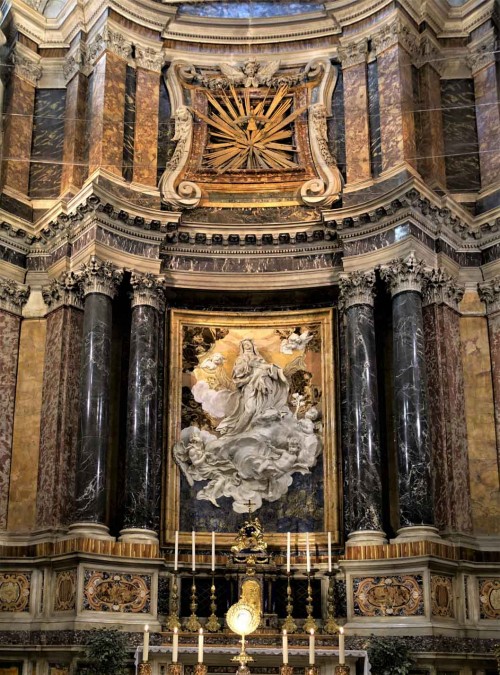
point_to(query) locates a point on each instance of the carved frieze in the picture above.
(396, 32)
(440, 288)
(482, 54)
(15, 591)
(13, 296)
(66, 290)
(107, 40)
(489, 292)
(116, 592)
(26, 65)
(400, 595)
(489, 598)
(353, 53)
(149, 59)
(357, 288)
(99, 276)
(442, 603)
(65, 595)
(148, 290)
(404, 274)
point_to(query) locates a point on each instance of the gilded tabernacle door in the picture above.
(251, 420)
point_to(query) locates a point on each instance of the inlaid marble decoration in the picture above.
(48, 141)
(442, 596)
(251, 420)
(116, 592)
(65, 595)
(388, 596)
(489, 598)
(129, 124)
(15, 591)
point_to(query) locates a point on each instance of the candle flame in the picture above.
(176, 629)
(312, 631)
(201, 631)
(146, 628)
(341, 630)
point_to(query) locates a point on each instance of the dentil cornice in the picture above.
(440, 288)
(13, 296)
(356, 288)
(404, 274)
(99, 276)
(148, 290)
(66, 290)
(489, 292)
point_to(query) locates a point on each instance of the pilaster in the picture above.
(149, 63)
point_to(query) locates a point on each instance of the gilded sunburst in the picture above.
(249, 133)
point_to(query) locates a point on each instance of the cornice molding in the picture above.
(13, 296)
(356, 288)
(404, 274)
(489, 293)
(99, 276)
(439, 288)
(65, 291)
(148, 290)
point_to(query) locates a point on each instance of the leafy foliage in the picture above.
(107, 652)
(389, 656)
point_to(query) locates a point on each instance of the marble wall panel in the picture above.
(397, 127)
(336, 125)
(486, 88)
(129, 124)
(17, 134)
(357, 132)
(430, 151)
(107, 115)
(47, 143)
(374, 118)
(59, 418)
(146, 127)
(26, 442)
(248, 265)
(480, 419)
(13, 257)
(494, 335)
(75, 144)
(134, 246)
(166, 127)
(460, 135)
(9, 347)
(450, 463)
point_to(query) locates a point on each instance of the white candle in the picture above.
(329, 551)
(285, 648)
(193, 551)
(308, 554)
(200, 646)
(175, 645)
(311, 648)
(213, 551)
(288, 546)
(145, 647)
(176, 550)
(341, 647)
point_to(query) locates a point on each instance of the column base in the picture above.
(366, 537)
(418, 533)
(138, 534)
(90, 531)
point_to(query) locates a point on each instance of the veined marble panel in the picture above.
(47, 143)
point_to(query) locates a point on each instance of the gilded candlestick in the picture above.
(192, 624)
(309, 623)
(173, 618)
(330, 627)
(289, 624)
(213, 624)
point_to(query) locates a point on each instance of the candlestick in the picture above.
(330, 626)
(289, 624)
(341, 647)
(309, 623)
(288, 546)
(176, 550)
(173, 618)
(212, 624)
(193, 551)
(311, 648)
(329, 551)
(308, 554)
(175, 645)
(285, 647)
(213, 551)
(192, 624)
(145, 646)
(200, 646)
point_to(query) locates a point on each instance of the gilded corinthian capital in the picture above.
(100, 276)
(357, 288)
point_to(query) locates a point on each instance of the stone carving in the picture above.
(110, 40)
(98, 276)
(116, 592)
(404, 274)
(395, 33)
(442, 596)
(357, 288)
(326, 188)
(251, 74)
(148, 290)
(429, 52)
(65, 596)
(26, 65)
(65, 290)
(440, 288)
(489, 292)
(353, 53)
(149, 59)
(13, 296)
(482, 55)
(186, 194)
(388, 596)
(35, 4)
(489, 598)
(14, 591)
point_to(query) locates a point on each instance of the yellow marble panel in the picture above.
(479, 412)
(26, 442)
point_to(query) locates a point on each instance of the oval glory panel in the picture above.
(394, 595)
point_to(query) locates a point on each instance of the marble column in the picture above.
(106, 135)
(13, 296)
(149, 63)
(60, 403)
(489, 292)
(19, 121)
(100, 281)
(74, 172)
(397, 125)
(405, 278)
(143, 458)
(362, 432)
(486, 92)
(357, 124)
(446, 389)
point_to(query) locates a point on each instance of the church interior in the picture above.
(250, 335)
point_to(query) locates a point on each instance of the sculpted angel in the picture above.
(252, 74)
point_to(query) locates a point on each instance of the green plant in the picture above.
(106, 653)
(389, 656)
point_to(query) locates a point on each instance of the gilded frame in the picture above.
(171, 474)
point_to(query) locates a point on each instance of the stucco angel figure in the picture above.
(252, 74)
